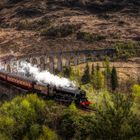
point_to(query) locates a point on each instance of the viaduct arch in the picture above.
(56, 61)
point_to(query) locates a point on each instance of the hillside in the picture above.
(29, 26)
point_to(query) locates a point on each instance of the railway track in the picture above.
(12, 91)
(61, 94)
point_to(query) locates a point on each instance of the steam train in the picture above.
(60, 94)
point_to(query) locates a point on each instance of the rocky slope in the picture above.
(29, 26)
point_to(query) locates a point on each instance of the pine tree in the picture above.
(108, 69)
(114, 79)
(86, 76)
(97, 67)
(92, 69)
(107, 72)
(67, 72)
(98, 78)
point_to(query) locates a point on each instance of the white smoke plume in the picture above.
(1, 66)
(45, 76)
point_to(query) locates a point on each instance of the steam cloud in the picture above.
(1, 66)
(45, 76)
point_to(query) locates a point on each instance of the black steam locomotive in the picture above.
(60, 94)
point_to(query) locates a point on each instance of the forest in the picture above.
(116, 114)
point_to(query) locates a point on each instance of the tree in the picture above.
(114, 79)
(97, 67)
(67, 71)
(86, 76)
(114, 117)
(72, 107)
(47, 134)
(107, 72)
(107, 68)
(92, 69)
(98, 78)
(138, 79)
(21, 112)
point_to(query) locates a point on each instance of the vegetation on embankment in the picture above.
(117, 116)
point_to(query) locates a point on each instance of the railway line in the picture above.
(59, 94)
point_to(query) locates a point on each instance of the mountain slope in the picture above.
(52, 25)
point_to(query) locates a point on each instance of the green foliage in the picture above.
(107, 68)
(97, 67)
(136, 94)
(107, 73)
(86, 76)
(17, 116)
(114, 79)
(125, 50)
(34, 131)
(98, 78)
(67, 71)
(60, 31)
(47, 134)
(4, 137)
(76, 75)
(7, 125)
(53, 113)
(66, 126)
(90, 38)
(30, 118)
(114, 117)
(72, 107)
(92, 69)
(75, 126)
(136, 89)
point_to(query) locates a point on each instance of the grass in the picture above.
(88, 37)
(59, 31)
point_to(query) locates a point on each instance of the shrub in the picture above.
(67, 71)
(136, 89)
(125, 50)
(114, 79)
(88, 37)
(98, 78)
(72, 107)
(34, 131)
(13, 1)
(75, 126)
(86, 76)
(48, 134)
(4, 137)
(31, 25)
(113, 117)
(17, 115)
(60, 31)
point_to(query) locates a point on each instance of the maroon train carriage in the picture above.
(3, 76)
(20, 82)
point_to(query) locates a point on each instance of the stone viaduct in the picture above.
(55, 61)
